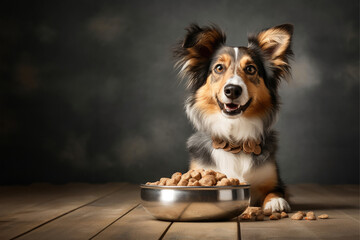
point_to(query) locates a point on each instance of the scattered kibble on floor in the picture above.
(284, 215)
(273, 217)
(310, 216)
(257, 214)
(297, 216)
(323, 216)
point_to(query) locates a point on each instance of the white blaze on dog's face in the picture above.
(235, 90)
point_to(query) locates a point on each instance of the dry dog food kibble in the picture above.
(273, 217)
(176, 176)
(304, 214)
(186, 176)
(153, 183)
(163, 181)
(297, 216)
(209, 172)
(234, 181)
(284, 215)
(198, 177)
(258, 214)
(253, 213)
(193, 182)
(208, 180)
(223, 182)
(183, 182)
(278, 215)
(220, 176)
(323, 216)
(310, 216)
(245, 216)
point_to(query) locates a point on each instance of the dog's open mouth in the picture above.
(232, 108)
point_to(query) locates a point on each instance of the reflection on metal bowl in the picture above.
(176, 203)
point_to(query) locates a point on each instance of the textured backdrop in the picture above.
(89, 93)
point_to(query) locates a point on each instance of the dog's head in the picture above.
(238, 82)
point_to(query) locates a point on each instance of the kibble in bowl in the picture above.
(196, 195)
(198, 177)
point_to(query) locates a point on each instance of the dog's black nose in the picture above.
(232, 91)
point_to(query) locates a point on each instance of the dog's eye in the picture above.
(219, 68)
(250, 69)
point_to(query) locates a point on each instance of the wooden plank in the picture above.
(203, 230)
(323, 197)
(345, 197)
(18, 198)
(108, 218)
(30, 215)
(341, 225)
(137, 224)
(308, 198)
(90, 219)
(271, 229)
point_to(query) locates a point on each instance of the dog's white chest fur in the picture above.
(238, 129)
(233, 165)
(241, 166)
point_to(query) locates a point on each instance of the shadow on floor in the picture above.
(319, 206)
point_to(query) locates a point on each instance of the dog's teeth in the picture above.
(233, 107)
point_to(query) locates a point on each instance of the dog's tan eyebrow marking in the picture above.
(221, 59)
(245, 60)
(224, 58)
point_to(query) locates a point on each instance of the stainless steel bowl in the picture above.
(176, 203)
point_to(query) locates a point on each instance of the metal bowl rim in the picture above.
(247, 186)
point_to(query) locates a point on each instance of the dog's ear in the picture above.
(275, 45)
(194, 53)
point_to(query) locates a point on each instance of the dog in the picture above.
(233, 104)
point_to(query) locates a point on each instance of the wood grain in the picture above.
(90, 219)
(309, 198)
(111, 211)
(202, 230)
(33, 212)
(137, 224)
(18, 198)
(346, 198)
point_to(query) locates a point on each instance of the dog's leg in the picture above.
(275, 199)
(269, 192)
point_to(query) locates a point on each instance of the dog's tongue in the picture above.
(231, 106)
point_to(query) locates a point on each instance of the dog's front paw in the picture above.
(277, 204)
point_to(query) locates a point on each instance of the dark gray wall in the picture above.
(88, 90)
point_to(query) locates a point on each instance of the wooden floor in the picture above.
(113, 211)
